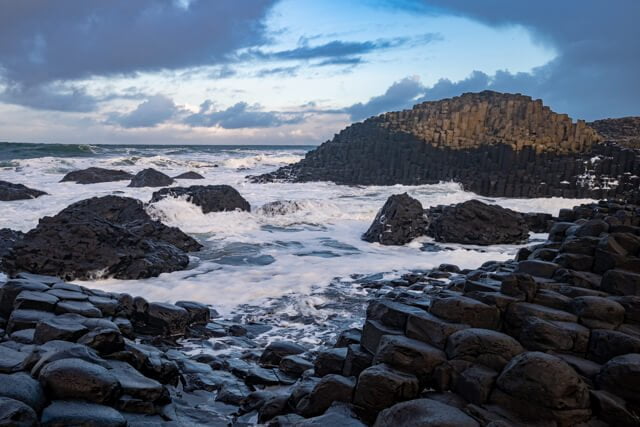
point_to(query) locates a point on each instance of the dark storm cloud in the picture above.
(402, 94)
(598, 43)
(239, 116)
(152, 112)
(45, 41)
(337, 51)
(49, 97)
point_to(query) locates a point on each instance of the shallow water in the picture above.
(251, 259)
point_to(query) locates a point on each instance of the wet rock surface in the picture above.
(94, 175)
(211, 198)
(150, 178)
(10, 192)
(400, 220)
(102, 236)
(495, 346)
(482, 141)
(189, 175)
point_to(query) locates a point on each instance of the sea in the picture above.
(304, 264)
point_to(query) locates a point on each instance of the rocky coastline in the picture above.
(493, 144)
(550, 338)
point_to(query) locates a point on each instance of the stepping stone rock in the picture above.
(168, 318)
(467, 311)
(20, 386)
(58, 328)
(135, 384)
(295, 365)
(198, 313)
(26, 319)
(598, 312)
(16, 413)
(74, 413)
(490, 348)
(330, 361)
(380, 386)
(606, 344)
(30, 300)
(150, 178)
(621, 376)
(409, 355)
(431, 329)
(78, 379)
(94, 175)
(276, 350)
(372, 332)
(331, 388)
(83, 308)
(424, 413)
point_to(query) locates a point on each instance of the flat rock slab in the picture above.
(74, 413)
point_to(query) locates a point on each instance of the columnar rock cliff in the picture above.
(493, 144)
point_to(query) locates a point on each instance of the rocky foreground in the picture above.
(494, 144)
(552, 338)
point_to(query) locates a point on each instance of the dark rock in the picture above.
(598, 312)
(8, 239)
(95, 175)
(294, 365)
(16, 413)
(621, 376)
(537, 268)
(390, 313)
(59, 328)
(73, 413)
(400, 220)
(20, 386)
(150, 178)
(409, 355)
(189, 175)
(10, 192)
(211, 198)
(460, 309)
(544, 335)
(475, 383)
(372, 331)
(198, 313)
(518, 312)
(521, 286)
(476, 223)
(619, 282)
(348, 337)
(431, 329)
(330, 361)
(339, 414)
(277, 405)
(12, 360)
(276, 350)
(168, 319)
(12, 288)
(110, 236)
(78, 379)
(103, 340)
(544, 380)
(26, 319)
(380, 386)
(83, 308)
(135, 384)
(30, 300)
(483, 346)
(606, 344)
(233, 393)
(358, 359)
(613, 409)
(330, 389)
(424, 413)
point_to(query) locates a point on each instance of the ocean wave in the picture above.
(252, 162)
(18, 150)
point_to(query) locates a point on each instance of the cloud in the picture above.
(51, 96)
(598, 44)
(44, 44)
(240, 116)
(152, 112)
(278, 71)
(400, 95)
(337, 51)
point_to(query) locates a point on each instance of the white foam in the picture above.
(314, 242)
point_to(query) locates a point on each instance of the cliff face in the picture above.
(624, 131)
(473, 120)
(498, 145)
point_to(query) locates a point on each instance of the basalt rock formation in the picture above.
(211, 198)
(94, 175)
(10, 192)
(494, 144)
(101, 237)
(624, 131)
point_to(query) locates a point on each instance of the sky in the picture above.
(296, 71)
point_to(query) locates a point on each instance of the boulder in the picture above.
(330, 361)
(483, 346)
(621, 376)
(75, 413)
(460, 309)
(59, 328)
(280, 207)
(20, 386)
(372, 332)
(598, 312)
(189, 175)
(94, 175)
(613, 409)
(198, 313)
(358, 359)
(476, 223)
(475, 383)
(544, 380)
(606, 344)
(400, 220)
(105, 236)
(10, 192)
(150, 178)
(620, 282)
(380, 386)
(390, 313)
(331, 388)
(16, 413)
(167, 319)
(424, 413)
(545, 335)
(431, 329)
(78, 379)
(409, 355)
(339, 414)
(294, 365)
(276, 350)
(211, 198)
